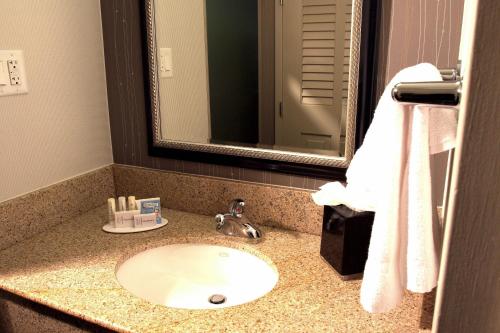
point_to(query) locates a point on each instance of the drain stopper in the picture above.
(217, 299)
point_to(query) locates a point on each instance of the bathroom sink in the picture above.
(197, 276)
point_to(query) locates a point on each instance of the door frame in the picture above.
(468, 297)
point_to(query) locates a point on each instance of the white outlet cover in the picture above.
(12, 78)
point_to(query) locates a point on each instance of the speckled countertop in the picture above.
(71, 268)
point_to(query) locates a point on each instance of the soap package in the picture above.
(150, 206)
(125, 219)
(345, 238)
(144, 220)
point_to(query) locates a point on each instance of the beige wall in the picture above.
(61, 128)
(180, 25)
(422, 31)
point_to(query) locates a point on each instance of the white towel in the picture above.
(390, 174)
(373, 158)
(402, 252)
(432, 130)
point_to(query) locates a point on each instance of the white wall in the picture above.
(180, 25)
(61, 128)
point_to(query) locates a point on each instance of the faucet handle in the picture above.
(236, 208)
(219, 220)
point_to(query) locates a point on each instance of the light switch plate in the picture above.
(12, 73)
(166, 67)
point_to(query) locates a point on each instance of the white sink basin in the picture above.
(188, 275)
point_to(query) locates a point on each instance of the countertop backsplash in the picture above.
(270, 205)
(34, 213)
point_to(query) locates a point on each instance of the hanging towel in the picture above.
(390, 175)
(374, 157)
(402, 252)
(432, 131)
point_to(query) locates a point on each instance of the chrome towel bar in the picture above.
(433, 93)
(446, 92)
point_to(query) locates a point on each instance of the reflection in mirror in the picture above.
(255, 73)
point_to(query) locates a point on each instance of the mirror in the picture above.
(273, 80)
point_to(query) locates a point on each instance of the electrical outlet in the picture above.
(15, 77)
(12, 73)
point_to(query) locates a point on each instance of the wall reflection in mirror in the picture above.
(254, 73)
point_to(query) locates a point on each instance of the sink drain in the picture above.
(217, 299)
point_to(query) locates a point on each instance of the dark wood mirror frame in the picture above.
(366, 101)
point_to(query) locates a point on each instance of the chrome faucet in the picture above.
(235, 224)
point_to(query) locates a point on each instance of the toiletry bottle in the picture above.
(111, 210)
(122, 204)
(131, 203)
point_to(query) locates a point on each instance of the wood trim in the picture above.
(468, 296)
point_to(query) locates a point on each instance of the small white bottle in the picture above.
(131, 203)
(111, 210)
(122, 204)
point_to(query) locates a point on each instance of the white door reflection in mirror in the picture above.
(314, 67)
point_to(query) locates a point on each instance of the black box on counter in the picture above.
(345, 239)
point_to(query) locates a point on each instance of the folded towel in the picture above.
(390, 174)
(432, 131)
(442, 129)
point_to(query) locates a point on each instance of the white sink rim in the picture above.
(229, 275)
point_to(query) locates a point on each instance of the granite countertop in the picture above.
(71, 268)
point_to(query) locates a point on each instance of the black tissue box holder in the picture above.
(345, 238)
